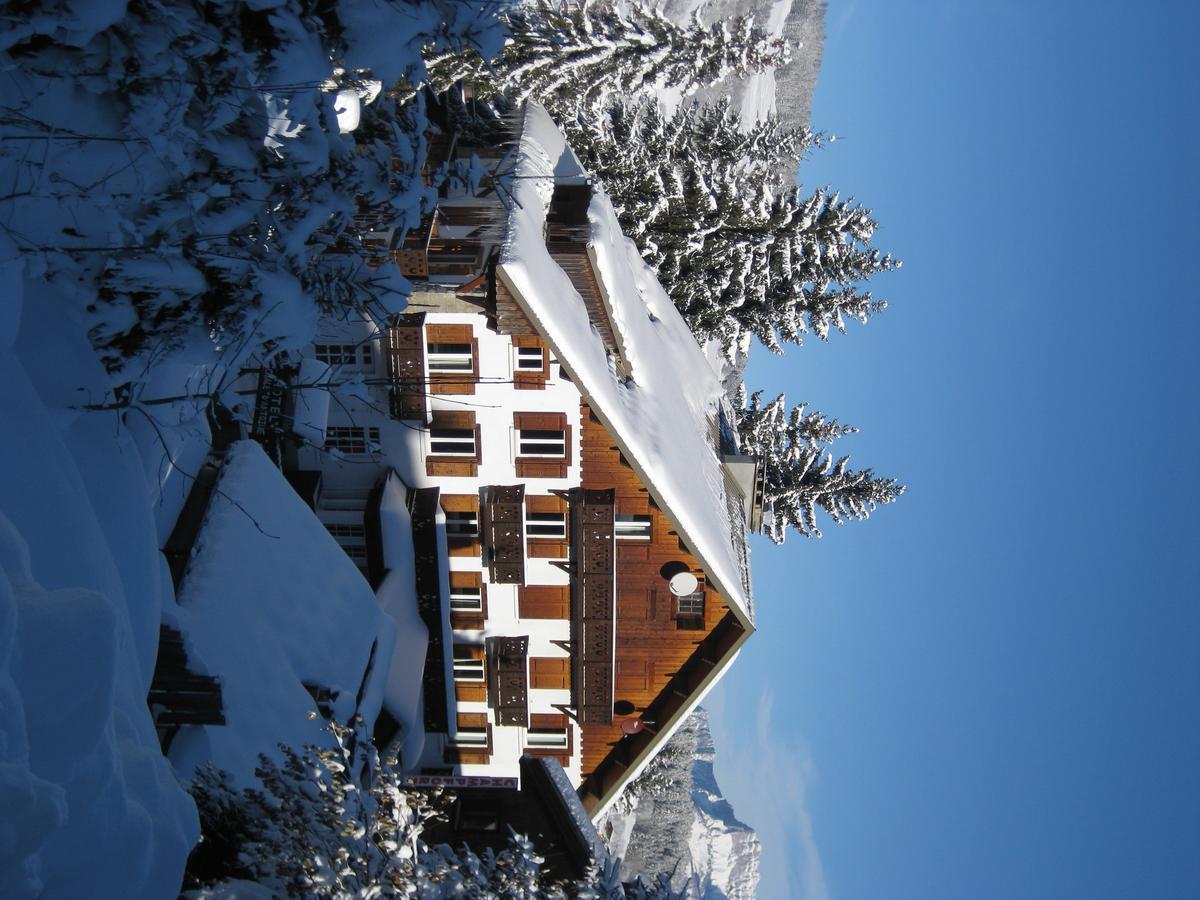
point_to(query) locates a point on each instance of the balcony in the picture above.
(593, 604)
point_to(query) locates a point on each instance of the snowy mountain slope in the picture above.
(675, 819)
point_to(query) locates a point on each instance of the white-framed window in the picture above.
(546, 738)
(352, 439)
(452, 441)
(541, 442)
(466, 598)
(469, 669)
(690, 604)
(351, 538)
(546, 525)
(470, 737)
(633, 528)
(449, 357)
(529, 359)
(462, 523)
(344, 354)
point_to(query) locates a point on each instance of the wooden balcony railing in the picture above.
(593, 604)
(503, 530)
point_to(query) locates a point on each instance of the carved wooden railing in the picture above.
(508, 672)
(406, 366)
(503, 529)
(593, 604)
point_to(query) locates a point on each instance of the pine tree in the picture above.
(801, 475)
(737, 249)
(573, 56)
(334, 822)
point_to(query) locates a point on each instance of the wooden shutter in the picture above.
(557, 722)
(633, 679)
(524, 380)
(548, 548)
(550, 673)
(541, 466)
(468, 620)
(454, 466)
(454, 382)
(637, 605)
(544, 601)
(469, 690)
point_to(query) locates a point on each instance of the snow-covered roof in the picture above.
(662, 414)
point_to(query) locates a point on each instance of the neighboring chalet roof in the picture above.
(547, 778)
(658, 395)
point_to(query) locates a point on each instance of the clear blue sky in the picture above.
(992, 688)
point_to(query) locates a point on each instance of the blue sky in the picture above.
(991, 689)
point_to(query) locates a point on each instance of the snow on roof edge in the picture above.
(649, 327)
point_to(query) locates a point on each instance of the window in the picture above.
(466, 598)
(472, 737)
(353, 440)
(466, 669)
(546, 525)
(546, 738)
(462, 523)
(541, 442)
(529, 359)
(689, 611)
(452, 441)
(343, 354)
(450, 358)
(351, 538)
(633, 528)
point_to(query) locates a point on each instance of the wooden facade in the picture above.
(654, 639)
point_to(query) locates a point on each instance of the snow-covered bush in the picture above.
(334, 822)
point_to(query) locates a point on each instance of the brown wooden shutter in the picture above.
(544, 601)
(456, 382)
(633, 679)
(454, 466)
(465, 621)
(549, 673)
(540, 466)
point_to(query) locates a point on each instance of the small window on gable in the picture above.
(633, 528)
(689, 611)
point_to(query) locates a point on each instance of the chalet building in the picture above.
(540, 450)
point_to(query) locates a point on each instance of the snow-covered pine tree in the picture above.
(335, 822)
(800, 475)
(737, 249)
(573, 56)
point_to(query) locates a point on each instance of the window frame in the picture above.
(468, 665)
(643, 533)
(359, 443)
(547, 438)
(460, 437)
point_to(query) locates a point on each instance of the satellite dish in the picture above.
(683, 584)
